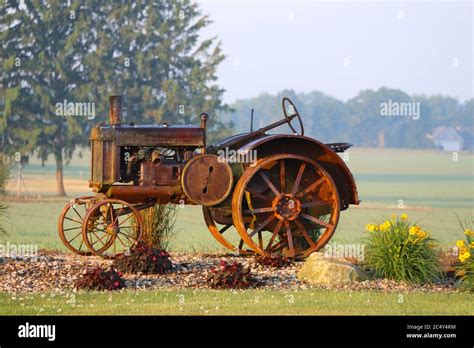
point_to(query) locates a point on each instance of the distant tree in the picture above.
(49, 42)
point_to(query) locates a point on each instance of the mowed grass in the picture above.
(241, 302)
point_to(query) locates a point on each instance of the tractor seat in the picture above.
(339, 147)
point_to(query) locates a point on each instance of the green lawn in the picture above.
(243, 302)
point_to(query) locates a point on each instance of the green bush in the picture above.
(464, 248)
(158, 225)
(403, 251)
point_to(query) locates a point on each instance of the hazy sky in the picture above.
(340, 48)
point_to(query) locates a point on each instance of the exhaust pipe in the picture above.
(115, 110)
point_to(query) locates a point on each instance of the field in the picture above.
(429, 186)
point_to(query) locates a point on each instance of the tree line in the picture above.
(373, 118)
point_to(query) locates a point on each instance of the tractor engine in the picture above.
(142, 161)
(146, 166)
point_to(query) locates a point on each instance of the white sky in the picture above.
(340, 48)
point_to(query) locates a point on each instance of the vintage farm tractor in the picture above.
(278, 195)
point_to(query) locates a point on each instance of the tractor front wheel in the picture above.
(111, 227)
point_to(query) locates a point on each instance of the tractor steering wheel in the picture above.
(293, 113)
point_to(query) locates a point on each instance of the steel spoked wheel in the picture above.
(292, 204)
(70, 224)
(217, 231)
(114, 220)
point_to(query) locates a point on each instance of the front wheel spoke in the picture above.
(304, 233)
(121, 241)
(118, 214)
(128, 236)
(128, 217)
(99, 238)
(72, 228)
(275, 233)
(74, 237)
(258, 210)
(290, 238)
(124, 227)
(311, 187)
(71, 219)
(80, 217)
(316, 220)
(262, 225)
(269, 183)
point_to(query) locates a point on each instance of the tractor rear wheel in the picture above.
(293, 205)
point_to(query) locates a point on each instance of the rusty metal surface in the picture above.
(115, 110)
(206, 181)
(287, 203)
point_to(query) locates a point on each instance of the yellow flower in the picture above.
(464, 256)
(385, 225)
(404, 216)
(468, 232)
(393, 216)
(460, 243)
(370, 227)
(414, 230)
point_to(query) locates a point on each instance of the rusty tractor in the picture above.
(284, 201)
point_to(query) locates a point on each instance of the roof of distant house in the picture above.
(445, 134)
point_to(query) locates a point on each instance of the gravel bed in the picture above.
(53, 272)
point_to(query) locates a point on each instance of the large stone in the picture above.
(326, 271)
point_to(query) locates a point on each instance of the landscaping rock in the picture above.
(324, 271)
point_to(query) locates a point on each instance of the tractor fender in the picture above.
(311, 148)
